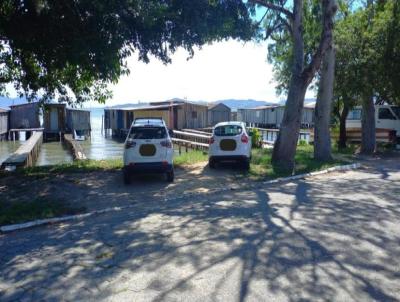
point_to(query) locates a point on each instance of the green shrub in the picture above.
(255, 137)
(302, 143)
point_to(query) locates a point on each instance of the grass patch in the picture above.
(260, 166)
(79, 166)
(39, 208)
(191, 157)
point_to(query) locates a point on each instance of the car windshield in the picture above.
(228, 130)
(396, 110)
(147, 133)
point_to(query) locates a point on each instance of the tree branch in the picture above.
(274, 7)
(329, 12)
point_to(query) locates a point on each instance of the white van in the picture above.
(386, 117)
(148, 149)
(230, 142)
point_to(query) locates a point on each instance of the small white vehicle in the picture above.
(148, 149)
(230, 142)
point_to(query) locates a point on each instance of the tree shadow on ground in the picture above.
(325, 240)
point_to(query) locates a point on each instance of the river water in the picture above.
(97, 147)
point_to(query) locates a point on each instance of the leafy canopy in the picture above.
(71, 50)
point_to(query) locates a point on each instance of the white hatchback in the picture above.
(148, 149)
(230, 142)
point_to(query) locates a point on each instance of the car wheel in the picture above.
(211, 163)
(170, 176)
(127, 177)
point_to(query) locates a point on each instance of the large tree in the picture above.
(71, 50)
(287, 19)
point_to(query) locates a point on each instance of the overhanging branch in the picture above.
(274, 7)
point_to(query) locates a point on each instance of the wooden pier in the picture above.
(75, 146)
(26, 155)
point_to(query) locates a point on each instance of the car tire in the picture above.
(170, 176)
(211, 163)
(127, 177)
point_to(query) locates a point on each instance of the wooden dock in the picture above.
(75, 146)
(26, 154)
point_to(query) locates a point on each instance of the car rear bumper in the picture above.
(156, 167)
(229, 158)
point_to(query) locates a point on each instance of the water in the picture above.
(53, 153)
(6, 148)
(97, 147)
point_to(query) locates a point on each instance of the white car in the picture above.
(148, 149)
(230, 142)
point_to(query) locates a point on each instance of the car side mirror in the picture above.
(171, 132)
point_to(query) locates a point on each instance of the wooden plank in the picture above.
(194, 135)
(76, 148)
(197, 132)
(27, 129)
(26, 154)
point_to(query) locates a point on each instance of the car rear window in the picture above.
(228, 130)
(147, 133)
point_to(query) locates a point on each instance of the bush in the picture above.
(255, 137)
(302, 143)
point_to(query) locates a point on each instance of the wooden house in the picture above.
(218, 113)
(271, 116)
(25, 116)
(54, 118)
(177, 114)
(79, 120)
(4, 115)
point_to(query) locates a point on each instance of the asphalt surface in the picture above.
(329, 238)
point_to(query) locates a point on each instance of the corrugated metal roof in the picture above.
(154, 107)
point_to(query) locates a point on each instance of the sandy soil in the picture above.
(98, 190)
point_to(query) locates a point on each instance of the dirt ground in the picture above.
(104, 189)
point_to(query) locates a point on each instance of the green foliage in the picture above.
(191, 157)
(262, 168)
(40, 208)
(71, 50)
(302, 143)
(255, 137)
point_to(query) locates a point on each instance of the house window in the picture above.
(194, 114)
(385, 114)
(354, 114)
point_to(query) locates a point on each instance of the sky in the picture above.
(223, 70)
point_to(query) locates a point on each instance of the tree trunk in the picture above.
(285, 146)
(286, 143)
(323, 108)
(342, 144)
(368, 137)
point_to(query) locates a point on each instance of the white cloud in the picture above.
(223, 70)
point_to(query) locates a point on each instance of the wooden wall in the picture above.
(218, 113)
(25, 116)
(78, 119)
(50, 125)
(4, 122)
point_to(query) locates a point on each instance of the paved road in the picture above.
(330, 238)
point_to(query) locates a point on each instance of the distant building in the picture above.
(218, 113)
(177, 114)
(4, 121)
(271, 116)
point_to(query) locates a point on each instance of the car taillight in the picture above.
(129, 144)
(245, 139)
(212, 140)
(166, 144)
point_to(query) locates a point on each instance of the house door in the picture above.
(54, 119)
